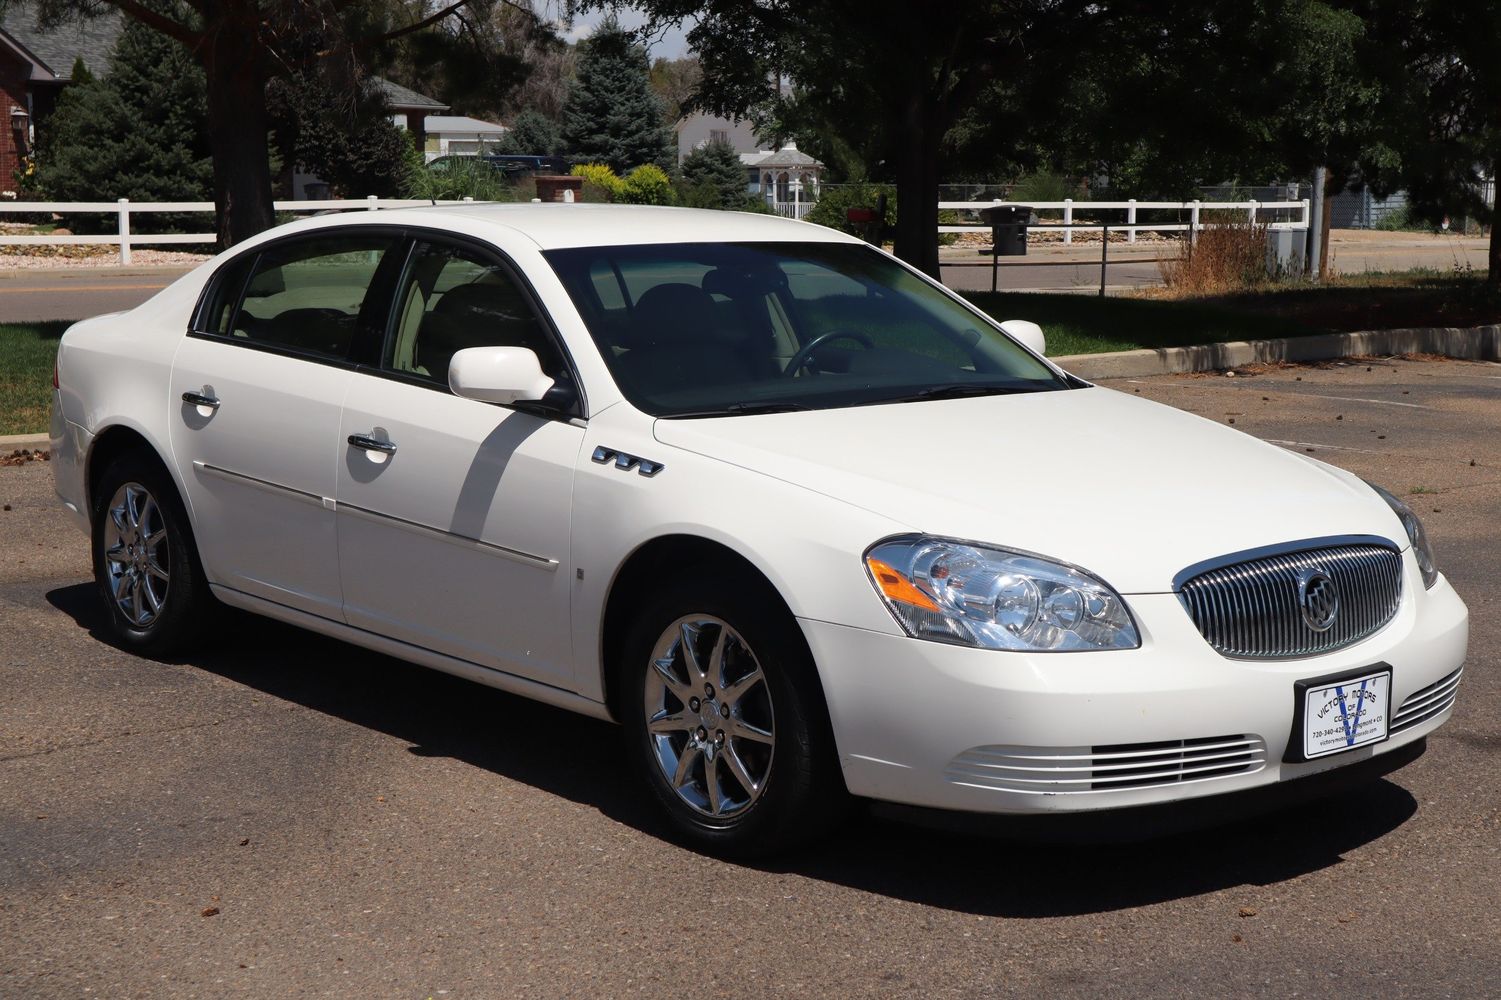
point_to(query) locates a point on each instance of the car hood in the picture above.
(1130, 490)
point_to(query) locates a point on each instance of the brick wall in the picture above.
(14, 83)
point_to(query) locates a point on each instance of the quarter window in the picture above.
(452, 298)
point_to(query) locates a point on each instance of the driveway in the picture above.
(285, 814)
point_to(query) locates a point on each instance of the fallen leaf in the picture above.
(1346, 918)
(212, 911)
(1236, 938)
(1248, 911)
(245, 841)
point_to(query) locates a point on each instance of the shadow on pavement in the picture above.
(581, 760)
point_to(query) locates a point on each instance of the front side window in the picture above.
(705, 329)
(306, 296)
(452, 298)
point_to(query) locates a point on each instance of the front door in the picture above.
(454, 514)
(255, 405)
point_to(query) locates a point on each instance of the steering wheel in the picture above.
(805, 354)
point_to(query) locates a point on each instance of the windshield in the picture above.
(706, 329)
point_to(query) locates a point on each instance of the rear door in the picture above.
(256, 392)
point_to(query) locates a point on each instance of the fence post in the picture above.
(468, 197)
(124, 211)
(1131, 221)
(1068, 219)
(370, 203)
(1252, 215)
(1193, 224)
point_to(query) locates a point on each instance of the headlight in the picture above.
(976, 595)
(1415, 534)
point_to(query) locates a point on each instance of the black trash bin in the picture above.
(1008, 229)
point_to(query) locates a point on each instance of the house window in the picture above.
(719, 135)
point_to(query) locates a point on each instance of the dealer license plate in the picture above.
(1349, 714)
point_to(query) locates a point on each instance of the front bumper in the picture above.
(924, 724)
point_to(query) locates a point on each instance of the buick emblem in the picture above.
(1318, 599)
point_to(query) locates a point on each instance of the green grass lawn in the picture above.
(27, 351)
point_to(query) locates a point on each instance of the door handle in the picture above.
(367, 443)
(200, 399)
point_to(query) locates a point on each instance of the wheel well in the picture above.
(108, 446)
(670, 553)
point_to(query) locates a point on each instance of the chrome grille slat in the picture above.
(1249, 609)
(1427, 702)
(1076, 770)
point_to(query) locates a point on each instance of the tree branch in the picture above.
(432, 19)
(157, 22)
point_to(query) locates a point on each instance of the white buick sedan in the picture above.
(805, 523)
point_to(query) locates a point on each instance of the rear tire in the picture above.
(725, 720)
(145, 559)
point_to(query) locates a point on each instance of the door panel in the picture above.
(258, 467)
(255, 409)
(458, 540)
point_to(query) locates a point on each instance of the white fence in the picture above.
(124, 208)
(1267, 212)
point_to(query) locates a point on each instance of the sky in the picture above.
(671, 46)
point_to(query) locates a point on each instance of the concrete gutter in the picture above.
(1480, 343)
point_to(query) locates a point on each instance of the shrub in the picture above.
(460, 177)
(647, 185)
(1229, 257)
(600, 182)
(835, 201)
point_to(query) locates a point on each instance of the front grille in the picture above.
(1420, 706)
(1069, 770)
(1249, 610)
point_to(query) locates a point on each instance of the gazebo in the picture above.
(789, 177)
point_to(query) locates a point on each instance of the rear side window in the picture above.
(306, 296)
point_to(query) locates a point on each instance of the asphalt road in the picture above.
(288, 815)
(27, 296)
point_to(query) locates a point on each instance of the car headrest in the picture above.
(674, 314)
(490, 300)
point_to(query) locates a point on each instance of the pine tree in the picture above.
(532, 134)
(612, 116)
(138, 132)
(716, 176)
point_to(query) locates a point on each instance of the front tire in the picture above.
(145, 560)
(726, 723)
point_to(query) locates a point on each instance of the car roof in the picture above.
(554, 225)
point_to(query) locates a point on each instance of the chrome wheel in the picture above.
(136, 554)
(709, 716)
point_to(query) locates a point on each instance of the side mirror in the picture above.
(497, 374)
(1028, 333)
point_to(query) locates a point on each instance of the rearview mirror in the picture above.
(1029, 334)
(497, 374)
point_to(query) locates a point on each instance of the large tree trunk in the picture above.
(1493, 276)
(235, 65)
(917, 189)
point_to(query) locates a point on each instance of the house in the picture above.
(697, 130)
(35, 65)
(409, 109)
(457, 135)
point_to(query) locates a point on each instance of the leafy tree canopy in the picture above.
(716, 176)
(532, 133)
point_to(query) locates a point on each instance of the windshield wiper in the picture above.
(958, 390)
(741, 409)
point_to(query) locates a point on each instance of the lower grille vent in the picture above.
(1420, 706)
(1070, 770)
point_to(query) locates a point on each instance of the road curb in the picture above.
(15, 442)
(1479, 343)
